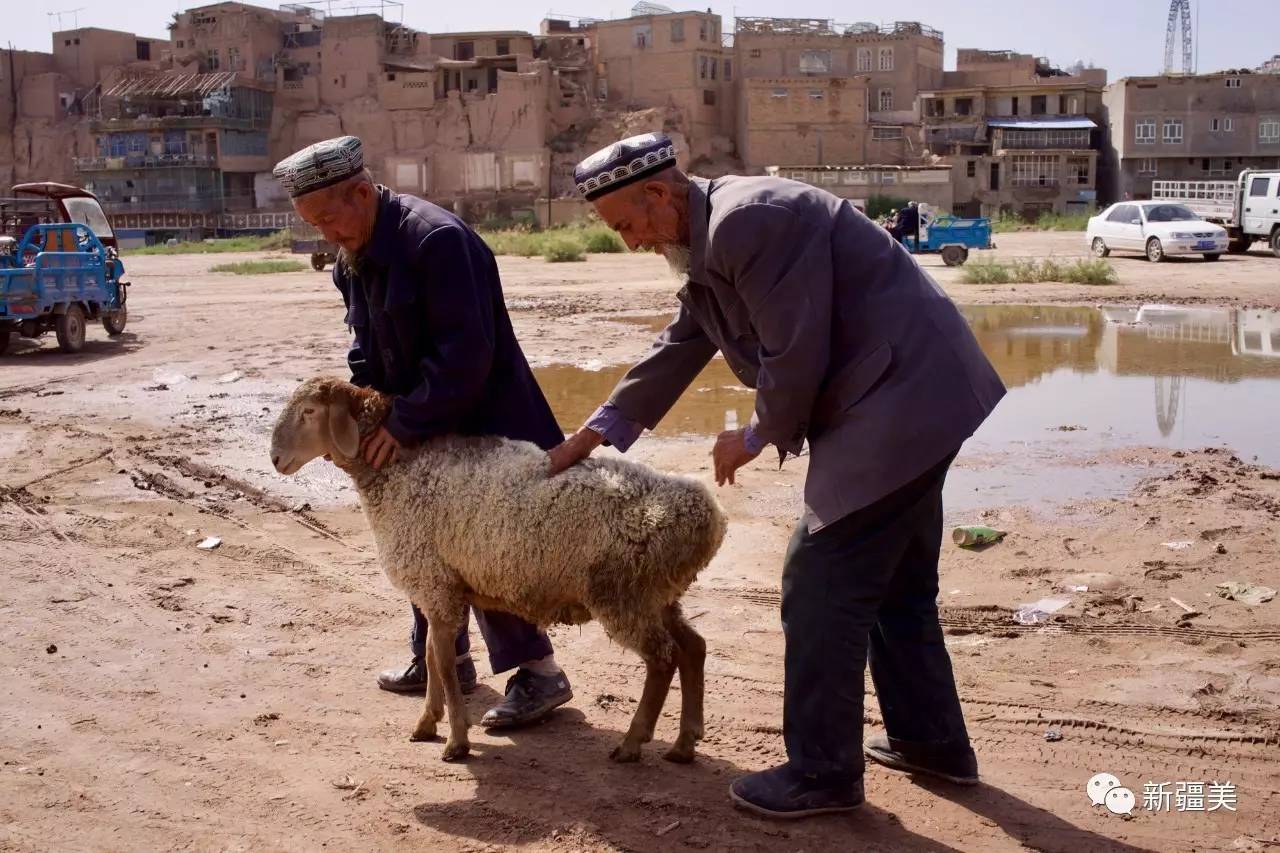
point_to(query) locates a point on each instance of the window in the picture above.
(1258, 187)
(214, 62)
(728, 69)
(886, 100)
(1172, 131)
(864, 59)
(1269, 131)
(1147, 166)
(677, 30)
(1073, 105)
(1225, 125)
(181, 44)
(964, 106)
(464, 50)
(1035, 170)
(886, 133)
(143, 50)
(502, 47)
(817, 94)
(933, 107)
(1228, 125)
(1214, 125)
(778, 93)
(708, 97)
(66, 43)
(702, 68)
(886, 59)
(641, 36)
(755, 53)
(1215, 165)
(1013, 106)
(233, 59)
(971, 169)
(75, 40)
(704, 29)
(1144, 132)
(1233, 82)
(815, 62)
(1078, 171)
(1125, 214)
(713, 63)
(472, 84)
(1039, 105)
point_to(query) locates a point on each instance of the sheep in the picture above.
(476, 520)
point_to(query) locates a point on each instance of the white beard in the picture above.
(679, 258)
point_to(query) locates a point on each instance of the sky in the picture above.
(1124, 36)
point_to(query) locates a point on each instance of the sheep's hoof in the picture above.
(423, 731)
(455, 750)
(625, 753)
(680, 753)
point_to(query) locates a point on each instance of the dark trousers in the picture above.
(510, 639)
(865, 587)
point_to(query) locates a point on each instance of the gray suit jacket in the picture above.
(849, 344)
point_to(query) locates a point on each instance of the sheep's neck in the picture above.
(370, 408)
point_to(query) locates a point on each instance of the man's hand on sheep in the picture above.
(573, 450)
(730, 454)
(380, 448)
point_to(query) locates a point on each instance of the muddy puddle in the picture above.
(1082, 381)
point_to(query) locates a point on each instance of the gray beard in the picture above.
(679, 258)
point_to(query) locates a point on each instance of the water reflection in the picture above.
(1183, 376)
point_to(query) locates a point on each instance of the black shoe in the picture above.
(786, 793)
(956, 765)
(530, 697)
(414, 678)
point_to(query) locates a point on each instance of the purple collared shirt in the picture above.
(621, 432)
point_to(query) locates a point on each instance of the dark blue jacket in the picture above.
(431, 328)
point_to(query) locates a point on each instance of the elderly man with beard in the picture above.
(850, 347)
(431, 329)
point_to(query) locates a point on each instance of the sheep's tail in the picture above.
(685, 528)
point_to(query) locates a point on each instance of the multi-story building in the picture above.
(676, 59)
(87, 54)
(812, 92)
(176, 151)
(1020, 135)
(895, 185)
(1201, 127)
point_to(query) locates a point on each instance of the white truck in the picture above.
(1248, 207)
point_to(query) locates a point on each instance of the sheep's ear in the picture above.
(343, 433)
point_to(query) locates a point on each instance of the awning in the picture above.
(1065, 123)
(170, 84)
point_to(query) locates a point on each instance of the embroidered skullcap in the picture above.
(321, 165)
(622, 163)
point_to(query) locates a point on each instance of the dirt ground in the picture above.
(163, 697)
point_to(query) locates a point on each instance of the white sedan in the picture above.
(1155, 228)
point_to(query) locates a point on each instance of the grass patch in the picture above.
(593, 237)
(259, 267)
(1007, 222)
(1027, 271)
(269, 242)
(562, 247)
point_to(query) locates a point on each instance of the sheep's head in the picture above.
(319, 420)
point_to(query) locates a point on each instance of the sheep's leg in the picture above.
(659, 666)
(433, 704)
(691, 654)
(440, 638)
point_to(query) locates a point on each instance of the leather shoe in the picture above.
(413, 679)
(953, 765)
(530, 697)
(786, 793)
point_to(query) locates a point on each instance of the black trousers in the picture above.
(511, 640)
(865, 588)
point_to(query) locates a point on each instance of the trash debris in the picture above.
(1039, 611)
(51, 649)
(209, 543)
(1220, 549)
(1186, 608)
(1091, 582)
(973, 535)
(675, 824)
(1053, 735)
(230, 377)
(168, 377)
(1178, 546)
(347, 783)
(1245, 592)
(1078, 588)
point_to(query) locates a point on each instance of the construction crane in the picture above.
(1179, 11)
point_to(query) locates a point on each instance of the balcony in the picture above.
(200, 122)
(145, 161)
